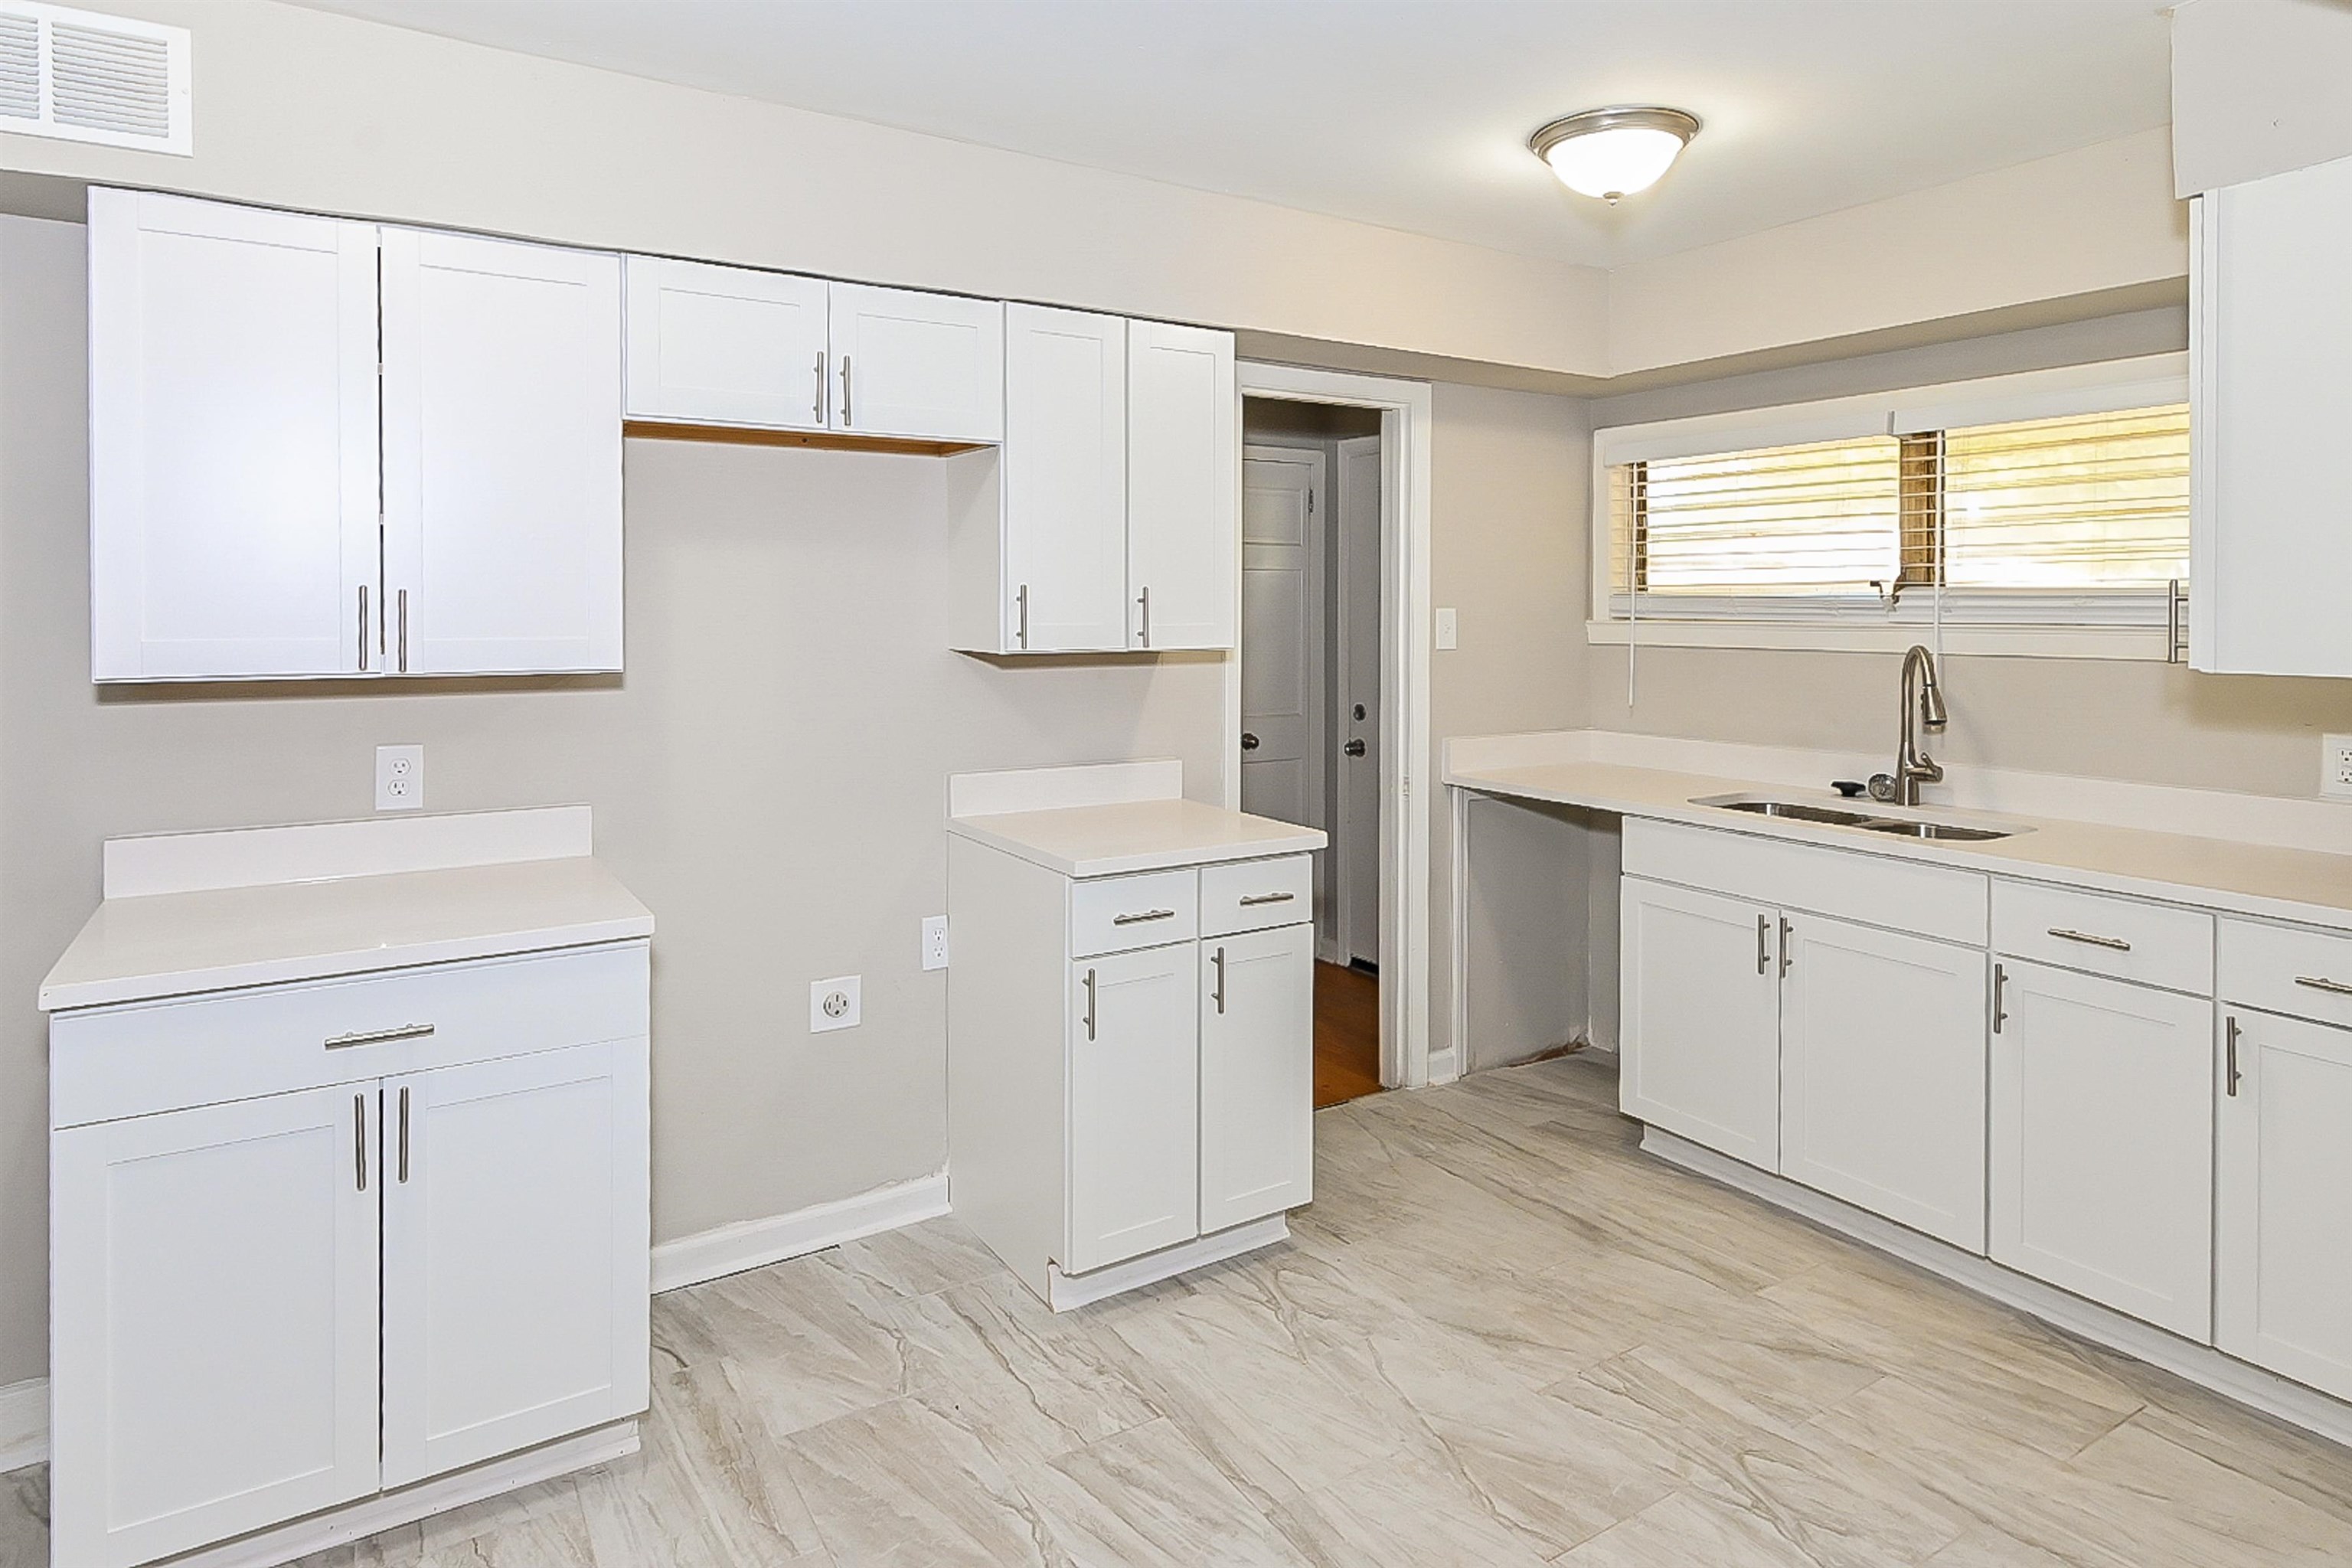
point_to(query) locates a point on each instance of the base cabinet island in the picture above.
(348, 1206)
(1130, 1026)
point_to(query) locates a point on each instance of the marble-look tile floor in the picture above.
(1500, 1336)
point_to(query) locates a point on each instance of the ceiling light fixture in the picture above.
(1613, 152)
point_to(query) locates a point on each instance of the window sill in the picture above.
(2142, 643)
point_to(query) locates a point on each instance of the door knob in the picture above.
(1354, 748)
(1249, 742)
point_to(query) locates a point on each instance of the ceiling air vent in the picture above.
(81, 77)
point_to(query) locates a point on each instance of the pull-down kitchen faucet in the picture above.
(1923, 704)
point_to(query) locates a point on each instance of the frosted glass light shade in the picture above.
(1613, 152)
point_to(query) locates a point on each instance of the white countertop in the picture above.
(2270, 880)
(168, 944)
(1111, 839)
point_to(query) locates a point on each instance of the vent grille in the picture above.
(82, 77)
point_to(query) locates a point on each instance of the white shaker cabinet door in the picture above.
(924, 366)
(2102, 1175)
(2271, 266)
(1700, 1022)
(2284, 1246)
(502, 456)
(1257, 1075)
(516, 1246)
(232, 441)
(1882, 1074)
(726, 345)
(1183, 487)
(213, 1321)
(1134, 1106)
(1064, 481)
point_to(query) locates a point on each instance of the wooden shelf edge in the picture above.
(827, 440)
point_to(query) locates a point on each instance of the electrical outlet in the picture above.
(935, 941)
(2336, 766)
(399, 778)
(833, 1004)
(1448, 632)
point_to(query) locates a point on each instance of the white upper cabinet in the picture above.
(2271, 346)
(1184, 489)
(502, 457)
(925, 366)
(233, 440)
(1064, 497)
(726, 345)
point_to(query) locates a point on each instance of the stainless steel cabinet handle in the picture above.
(1144, 637)
(1787, 956)
(1254, 899)
(1218, 995)
(1763, 944)
(2321, 983)
(359, 1136)
(1021, 615)
(403, 631)
(1090, 1003)
(363, 626)
(404, 1134)
(1136, 920)
(816, 404)
(377, 1036)
(1999, 994)
(2229, 1051)
(846, 419)
(2116, 942)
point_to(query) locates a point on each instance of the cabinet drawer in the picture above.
(1112, 914)
(1257, 895)
(1880, 889)
(2287, 969)
(2155, 944)
(112, 1062)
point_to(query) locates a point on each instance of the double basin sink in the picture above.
(1838, 817)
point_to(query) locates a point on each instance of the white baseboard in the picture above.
(2289, 1401)
(24, 1423)
(1069, 1290)
(756, 1243)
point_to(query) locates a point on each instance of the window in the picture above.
(2065, 518)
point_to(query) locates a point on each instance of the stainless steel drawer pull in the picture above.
(2116, 942)
(404, 1134)
(2231, 1075)
(378, 1037)
(1146, 915)
(1763, 939)
(359, 1136)
(1218, 994)
(1089, 1019)
(1256, 898)
(2321, 983)
(2000, 997)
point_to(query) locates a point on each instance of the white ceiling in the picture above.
(1415, 113)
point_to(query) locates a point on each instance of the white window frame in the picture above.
(2042, 625)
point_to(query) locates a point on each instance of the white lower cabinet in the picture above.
(1257, 1067)
(213, 1337)
(2283, 1208)
(515, 1288)
(2102, 1122)
(1700, 1018)
(1882, 1074)
(427, 1255)
(1135, 1086)
(1130, 1064)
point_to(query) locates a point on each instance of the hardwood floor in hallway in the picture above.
(1500, 1336)
(1347, 1035)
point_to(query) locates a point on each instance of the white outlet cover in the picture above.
(834, 1004)
(935, 941)
(1448, 630)
(399, 778)
(2336, 766)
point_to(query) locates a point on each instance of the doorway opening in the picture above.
(1313, 489)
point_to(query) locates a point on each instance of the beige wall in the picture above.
(2103, 719)
(769, 777)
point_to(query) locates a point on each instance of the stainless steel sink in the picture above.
(1800, 812)
(1869, 821)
